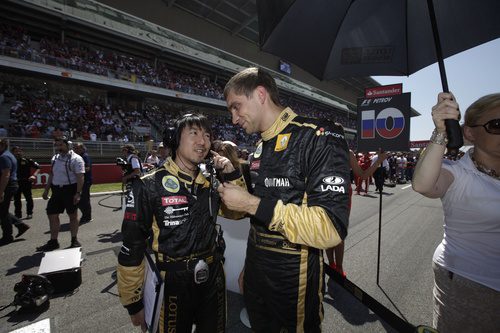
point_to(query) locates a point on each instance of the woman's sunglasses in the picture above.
(492, 126)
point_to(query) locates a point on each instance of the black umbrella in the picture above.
(348, 38)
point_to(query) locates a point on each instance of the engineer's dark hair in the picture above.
(245, 82)
(193, 120)
(173, 137)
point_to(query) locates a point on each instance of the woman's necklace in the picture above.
(482, 168)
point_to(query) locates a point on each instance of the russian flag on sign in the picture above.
(390, 123)
(368, 124)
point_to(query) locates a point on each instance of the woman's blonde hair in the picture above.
(229, 151)
(479, 107)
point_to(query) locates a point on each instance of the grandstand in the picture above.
(102, 76)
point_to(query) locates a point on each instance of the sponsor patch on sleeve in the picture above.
(333, 184)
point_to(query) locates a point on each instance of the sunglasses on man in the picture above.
(492, 126)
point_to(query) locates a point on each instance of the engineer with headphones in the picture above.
(66, 182)
(178, 204)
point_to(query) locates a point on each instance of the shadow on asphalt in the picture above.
(351, 309)
(26, 263)
(393, 304)
(24, 316)
(112, 237)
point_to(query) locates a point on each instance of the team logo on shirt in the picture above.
(277, 182)
(130, 200)
(255, 165)
(282, 142)
(174, 200)
(258, 151)
(333, 184)
(285, 116)
(321, 131)
(170, 183)
(333, 180)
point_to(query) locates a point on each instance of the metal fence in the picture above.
(42, 150)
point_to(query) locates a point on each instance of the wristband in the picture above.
(439, 138)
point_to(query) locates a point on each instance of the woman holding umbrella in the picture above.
(467, 262)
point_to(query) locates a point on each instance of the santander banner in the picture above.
(101, 174)
(384, 91)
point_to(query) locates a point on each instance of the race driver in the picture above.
(172, 203)
(299, 206)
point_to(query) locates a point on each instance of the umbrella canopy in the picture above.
(348, 38)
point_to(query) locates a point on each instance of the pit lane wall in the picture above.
(101, 174)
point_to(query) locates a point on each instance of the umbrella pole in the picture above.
(379, 234)
(453, 130)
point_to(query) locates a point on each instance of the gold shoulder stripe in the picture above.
(151, 173)
(304, 124)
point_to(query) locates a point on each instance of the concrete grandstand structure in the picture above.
(136, 59)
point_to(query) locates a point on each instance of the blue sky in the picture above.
(471, 74)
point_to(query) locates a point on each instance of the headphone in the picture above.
(172, 135)
(66, 141)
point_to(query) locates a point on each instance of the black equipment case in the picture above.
(62, 268)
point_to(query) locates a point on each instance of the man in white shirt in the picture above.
(66, 182)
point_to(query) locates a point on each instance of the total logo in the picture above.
(333, 184)
(174, 200)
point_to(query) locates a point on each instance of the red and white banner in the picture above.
(101, 174)
(419, 144)
(384, 91)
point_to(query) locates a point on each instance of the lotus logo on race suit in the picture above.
(170, 183)
(333, 183)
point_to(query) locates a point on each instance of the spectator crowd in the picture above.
(83, 119)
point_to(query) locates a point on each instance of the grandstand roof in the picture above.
(239, 17)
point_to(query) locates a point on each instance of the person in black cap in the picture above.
(25, 179)
(8, 186)
(66, 183)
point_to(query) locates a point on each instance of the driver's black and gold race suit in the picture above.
(173, 208)
(301, 173)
